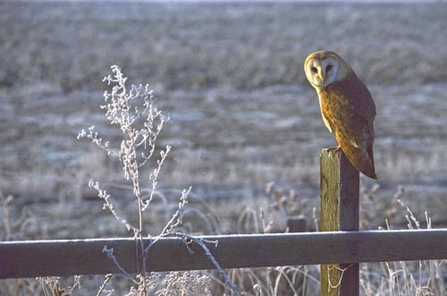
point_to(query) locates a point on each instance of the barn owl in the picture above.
(347, 107)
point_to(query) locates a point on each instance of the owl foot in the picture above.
(333, 150)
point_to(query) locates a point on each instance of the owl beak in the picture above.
(321, 74)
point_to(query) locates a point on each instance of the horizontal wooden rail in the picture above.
(72, 257)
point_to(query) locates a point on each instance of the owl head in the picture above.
(324, 67)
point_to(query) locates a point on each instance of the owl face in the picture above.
(324, 67)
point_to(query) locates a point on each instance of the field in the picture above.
(230, 77)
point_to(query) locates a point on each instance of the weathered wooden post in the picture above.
(339, 211)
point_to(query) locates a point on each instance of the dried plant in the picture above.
(136, 115)
(134, 112)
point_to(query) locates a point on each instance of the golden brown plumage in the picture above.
(347, 107)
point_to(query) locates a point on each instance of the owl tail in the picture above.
(361, 159)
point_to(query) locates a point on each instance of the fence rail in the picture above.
(70, 257)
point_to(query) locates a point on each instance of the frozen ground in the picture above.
(231, 78)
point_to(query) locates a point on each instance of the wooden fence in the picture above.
(340, 244)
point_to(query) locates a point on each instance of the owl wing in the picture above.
(350, 111)
(357, 94)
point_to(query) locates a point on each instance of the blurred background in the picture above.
(230, 76)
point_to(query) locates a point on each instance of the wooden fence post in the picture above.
(339, 211)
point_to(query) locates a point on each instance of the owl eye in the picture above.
(313, 70)
(328, 68)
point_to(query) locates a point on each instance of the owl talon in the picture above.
(333, 150)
